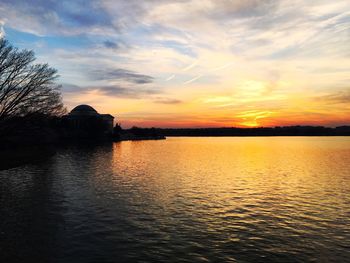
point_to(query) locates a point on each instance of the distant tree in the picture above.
(26, 88)
(117, 131)
(117, 128)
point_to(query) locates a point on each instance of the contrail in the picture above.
(194, 79)
(170, 78)
(190, 66)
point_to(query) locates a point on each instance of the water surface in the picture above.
(182, 200)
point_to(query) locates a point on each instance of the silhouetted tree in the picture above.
(117, 127)
(26, 88)
(117, 131)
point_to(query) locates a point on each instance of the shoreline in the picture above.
(31, 154)
(214, 136)
(132, 137)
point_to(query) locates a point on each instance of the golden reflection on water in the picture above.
(236, 199)
(227, 199)
(218, 175)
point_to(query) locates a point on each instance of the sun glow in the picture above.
(251, 118)
(195, 63)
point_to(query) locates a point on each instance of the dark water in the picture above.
(279, 199)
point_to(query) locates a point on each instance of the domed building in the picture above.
(86, 119)
(83, 110)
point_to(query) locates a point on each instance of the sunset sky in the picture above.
(195, 63)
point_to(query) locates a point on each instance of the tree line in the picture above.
(27, 89)
(232, 131)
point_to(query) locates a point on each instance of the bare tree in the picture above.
(26, 88)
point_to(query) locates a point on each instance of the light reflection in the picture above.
(189, 199)
(223, 173)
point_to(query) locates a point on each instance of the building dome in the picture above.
(83, 110)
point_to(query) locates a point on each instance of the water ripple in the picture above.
(182, 200)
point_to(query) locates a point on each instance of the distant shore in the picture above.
(23, 150)
(126, 136)
(243, 132)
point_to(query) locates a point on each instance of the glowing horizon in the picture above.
(198, 63)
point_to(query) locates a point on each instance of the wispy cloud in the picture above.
(241, 52)
(163, 100)
(111, 44)
(64, 17)
(342, 96)
(119, 74)
(111, 91)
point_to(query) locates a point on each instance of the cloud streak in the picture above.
(111, 91)
(193, 79)
(337, 97)
(273, 55)
(111, 44)
(119, 74)
(162, 100)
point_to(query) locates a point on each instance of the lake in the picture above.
(229, 199)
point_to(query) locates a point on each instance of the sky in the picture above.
(193, 63)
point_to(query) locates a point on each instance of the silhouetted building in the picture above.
(86, 119)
